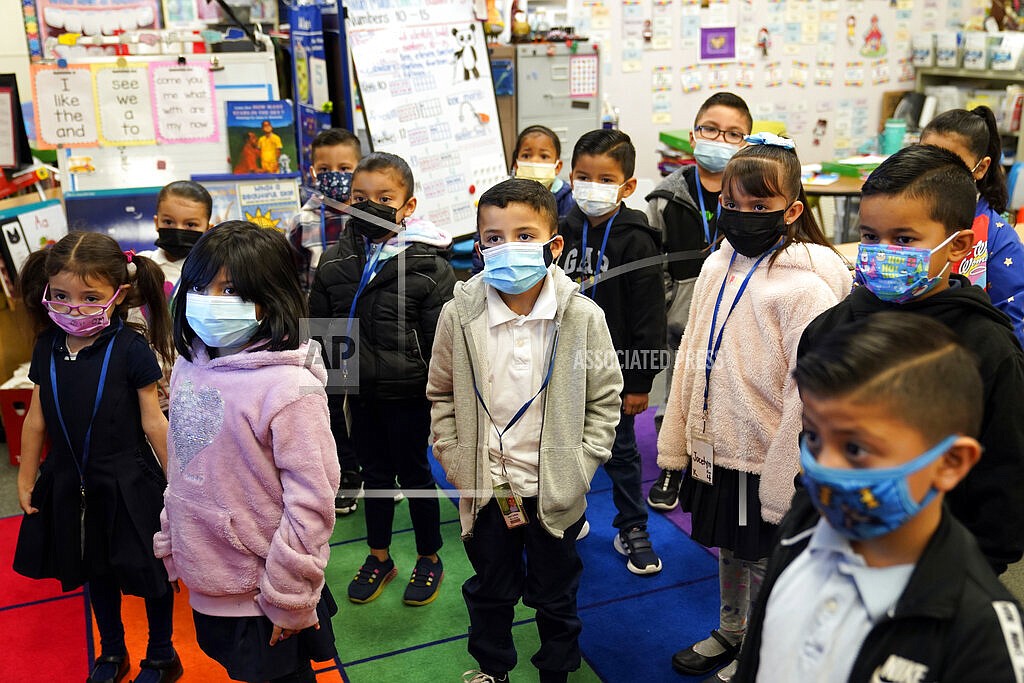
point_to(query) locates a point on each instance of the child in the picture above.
(602, 235)
(734, 418)
(538, 156)
(335, 154)
(996, 264)
(684, 208)
(89, 516)
(248, 508)
(183, 210)
(270, 148)
(522, 335)
(391, 274)
(915, 213)
(874, 579)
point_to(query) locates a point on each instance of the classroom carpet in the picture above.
(631, 624)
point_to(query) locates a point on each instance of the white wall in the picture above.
(805, 31)
(13, 47)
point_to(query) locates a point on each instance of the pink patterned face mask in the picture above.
(91, 318)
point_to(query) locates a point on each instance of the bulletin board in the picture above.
(144, 120)
(427, 95)
(818, 66)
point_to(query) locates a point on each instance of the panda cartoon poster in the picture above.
(425, 84)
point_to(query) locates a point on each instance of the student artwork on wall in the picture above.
(261, 137)
(427, 96)
(718, 44)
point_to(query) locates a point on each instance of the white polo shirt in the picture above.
(822, 608)
(519, 349)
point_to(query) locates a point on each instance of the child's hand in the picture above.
(25, 500)
(634, 404)
(280, 634)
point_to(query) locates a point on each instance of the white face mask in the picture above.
(221, 321)
(595, 199)
(544, 174)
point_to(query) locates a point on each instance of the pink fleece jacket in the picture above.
(252, 473)
(754, 409)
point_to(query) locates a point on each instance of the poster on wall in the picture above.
(126, 214)
(267, 201)
(30, 228)
(47, 20)
(309, 71)
(14, 149)
(718, 44)
(450, 135)
(64, 106)
(261, 137)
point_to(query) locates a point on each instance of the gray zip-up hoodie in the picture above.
(581, 403)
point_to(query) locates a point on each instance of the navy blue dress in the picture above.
(123, 481)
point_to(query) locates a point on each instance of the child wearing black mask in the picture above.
(389, 275)
(183, 210)
(733, 413)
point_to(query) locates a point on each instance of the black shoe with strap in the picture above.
(692, 663)
(168, 670)
(109, 669)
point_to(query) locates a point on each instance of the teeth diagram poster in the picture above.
(427, 94)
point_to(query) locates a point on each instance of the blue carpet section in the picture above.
(632, 625)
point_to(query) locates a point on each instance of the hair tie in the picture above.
(130, 257)
(770, 139)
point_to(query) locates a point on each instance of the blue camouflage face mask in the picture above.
(867, 503)
(514, 267)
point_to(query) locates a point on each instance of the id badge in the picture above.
(511, 505)
(702, 459)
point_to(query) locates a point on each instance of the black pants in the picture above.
(105, 598)
(547, 581)
(343, 440)
(625, 472)
(391, 441)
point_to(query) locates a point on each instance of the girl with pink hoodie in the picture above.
(252, 467)
(733, 414)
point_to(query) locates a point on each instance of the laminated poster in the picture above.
(184, 103)
(125, 104)
(64, 106)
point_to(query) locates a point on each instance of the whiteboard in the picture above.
(248, 76)
(425, 83)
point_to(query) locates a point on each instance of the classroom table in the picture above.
(846, 192)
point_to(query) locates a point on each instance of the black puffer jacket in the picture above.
(397, 311)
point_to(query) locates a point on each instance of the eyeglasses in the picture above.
(733, 137)
(83, 309)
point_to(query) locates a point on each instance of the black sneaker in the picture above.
(346, 501)
(635, 544)
(425, 581)
(371, 578)
(664, 495)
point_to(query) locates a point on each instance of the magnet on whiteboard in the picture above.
(62, 63)
(122, 62)
(161, 164)
(472, 189)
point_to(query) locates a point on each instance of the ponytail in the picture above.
(147, 281)
(992, 185)
(978, 131)
(32, 282)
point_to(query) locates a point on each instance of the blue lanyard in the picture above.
(95, 409)
(526, 406)
(364, 279)
(600, 254)
(713, 344)
(704, 211)
(323, 227)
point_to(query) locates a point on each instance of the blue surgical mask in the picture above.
(897, 273)
(221, 321)
(867, 503)
(336, 185)
(713, 155)
(595, 199)
(514, 267)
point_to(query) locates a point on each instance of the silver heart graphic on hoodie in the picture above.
(196, 419)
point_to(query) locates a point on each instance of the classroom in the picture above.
(668, 340)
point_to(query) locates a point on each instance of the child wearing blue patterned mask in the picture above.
(915, 216)
(874, 578)
(335, 153)
(253, 469)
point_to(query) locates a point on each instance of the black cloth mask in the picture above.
(177, 243)
(372, 231)
(752, 233)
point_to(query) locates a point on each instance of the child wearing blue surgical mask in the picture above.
(874, 579)
(525, 387)
(733, 413)
(248, 510)
(335, 153)
(684, 208)
(91, 513)
(916, 213)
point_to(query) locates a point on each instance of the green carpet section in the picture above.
(388, 640)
